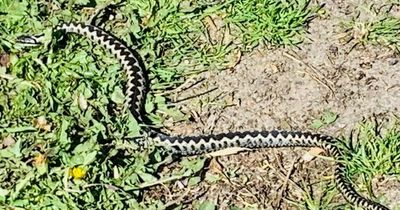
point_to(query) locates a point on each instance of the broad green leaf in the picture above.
(90, 158)
(193, 181)
(42, 168)
(22, 184)
(3, 194)
(147, 177)
(118, 96)
(212, 178)
(317, 124)
(207, 205)
(82, 2)
(330, 117)
(194, 165)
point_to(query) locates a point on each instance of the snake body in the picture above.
(135, 92)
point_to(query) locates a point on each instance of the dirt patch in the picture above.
(287, 89)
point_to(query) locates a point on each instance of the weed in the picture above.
(327, 118)
(376, 151)
(277, 22)
(383, 29)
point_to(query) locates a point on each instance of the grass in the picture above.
(377, 155)
(384, 32)
(277, 22)
(62, 127)
(370, 154)
(382, 29)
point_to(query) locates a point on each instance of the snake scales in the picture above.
(135, 92)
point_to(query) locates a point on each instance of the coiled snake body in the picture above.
(135, 92)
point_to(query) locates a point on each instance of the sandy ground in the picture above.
(287, 88)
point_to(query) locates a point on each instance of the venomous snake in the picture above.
(135, 92)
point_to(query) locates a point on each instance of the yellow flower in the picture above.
(77, 172)
(39, 159)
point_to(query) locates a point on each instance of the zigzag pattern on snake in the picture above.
(135, 92)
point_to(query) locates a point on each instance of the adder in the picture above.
(135, 92)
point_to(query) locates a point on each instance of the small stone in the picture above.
(366, 65)
(4, 59)
(360, 75)
(392, 61)
(334, 50)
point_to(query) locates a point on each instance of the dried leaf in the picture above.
(227, 151)
(8, 141)
(312, 153)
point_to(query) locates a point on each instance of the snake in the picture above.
(135, 95)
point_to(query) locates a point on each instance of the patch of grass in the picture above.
(383, 29)
(373, 153)
(276, 22)
(376, 151)
(324, 200)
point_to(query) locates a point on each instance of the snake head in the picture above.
(34, 40)
(31, 40)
